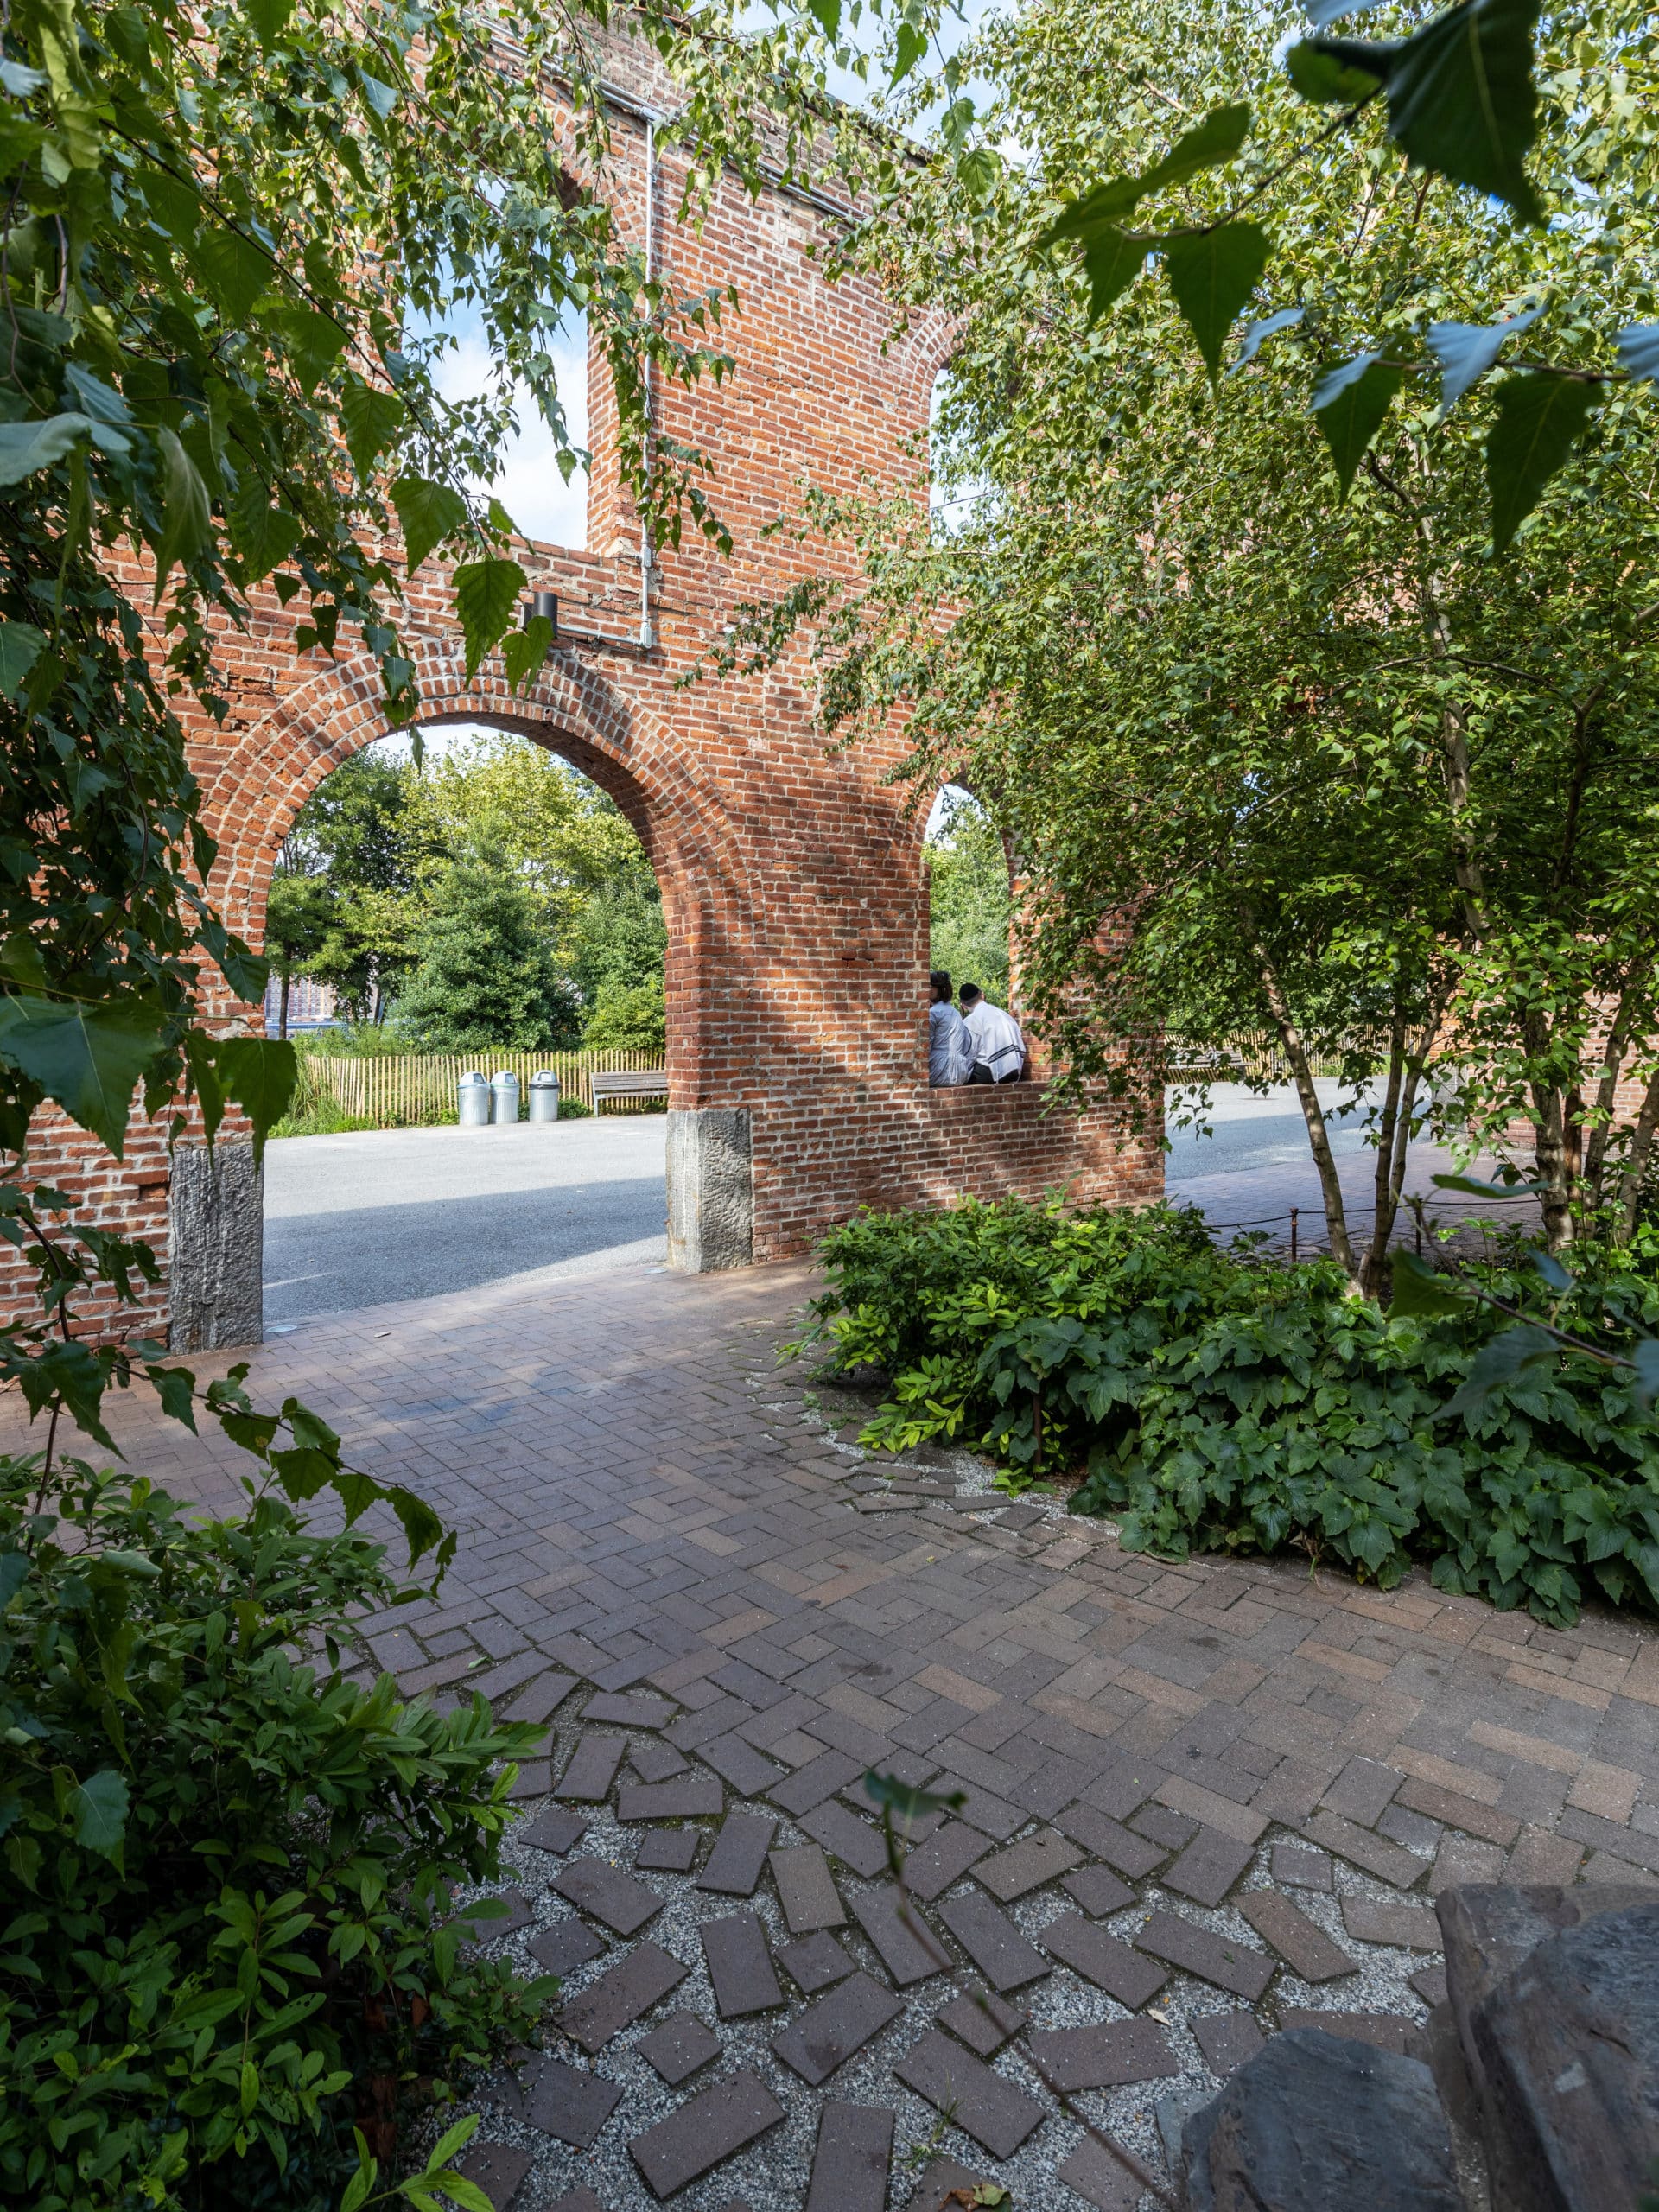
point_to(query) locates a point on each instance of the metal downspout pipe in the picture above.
(647, 552)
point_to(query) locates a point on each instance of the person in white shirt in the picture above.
(949, 1048)
(999, 1047)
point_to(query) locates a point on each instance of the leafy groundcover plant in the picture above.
(1226, 1401)
(225, 1941)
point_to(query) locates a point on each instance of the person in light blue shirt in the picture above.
(949, 1048)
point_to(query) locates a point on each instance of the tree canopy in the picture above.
(1288, 731)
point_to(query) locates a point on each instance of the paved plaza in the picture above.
(1200, 1802)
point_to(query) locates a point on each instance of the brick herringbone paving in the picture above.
(1185, 1787)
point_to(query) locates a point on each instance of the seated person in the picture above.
(999, 1047)
(949, 1048)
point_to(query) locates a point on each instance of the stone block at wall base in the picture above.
(710, 1189)
(216, 1235)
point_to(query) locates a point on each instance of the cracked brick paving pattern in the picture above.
(1185, 1785)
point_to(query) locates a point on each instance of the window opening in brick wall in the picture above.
(957, 493)
(530, 483)
(970, 903)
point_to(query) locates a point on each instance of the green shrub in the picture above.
(227, 1865)
(1223, 1401)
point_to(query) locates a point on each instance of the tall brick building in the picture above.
(792, 879)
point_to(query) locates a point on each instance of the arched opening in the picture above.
(474, 903)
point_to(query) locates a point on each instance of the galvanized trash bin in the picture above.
(474, 1101)
(503, 1095)
(544, 1096)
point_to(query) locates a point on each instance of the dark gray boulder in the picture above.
(1567, 2046)
(1319, 2123)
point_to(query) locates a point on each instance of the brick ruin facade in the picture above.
(793, 878)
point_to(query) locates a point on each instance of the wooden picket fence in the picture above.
(419, 1091)
(1259, 1051)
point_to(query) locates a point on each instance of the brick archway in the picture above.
(790, 870)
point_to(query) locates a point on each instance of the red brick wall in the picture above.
(793, 881)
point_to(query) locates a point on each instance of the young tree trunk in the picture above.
(1629, 1188)
(1550, 1152)
(281, 1009)
(1370, 1267)
(1318, 1136)
(1619, 1037)
(1396, 1135)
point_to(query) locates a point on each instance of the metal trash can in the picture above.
(474, 1101)
(544, 1096)
(503, 1095)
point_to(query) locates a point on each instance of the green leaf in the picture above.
(1497, 1362)
(187, 521)
(260, 1073)
(1646, 1356)
(270, 19)
(1349, 405)
(21, 646)
(1552, 1271)
(236, 268)
(1467, 350)
(98, 1809)
(14, 1573)
(909, 46)
(910, 1804)
(199, 1051)
(1421, 1295)
(1317, 75)
(428, 513)
(1212, 275)
(1539, 420)
(827, 15)
(1218, 139)
(1268, 327)
(357, 2189)
(315, 342)
(1112, 260)
(977, 172)
(1501, 1187)
(176, 1388)
(462, 2191)
(1638, 351)
(487, 593)
(89, 1057)
(453, 2142)
(372, 420)
(1461, 101)
(262, 536)
(25, 448)
(525, 651)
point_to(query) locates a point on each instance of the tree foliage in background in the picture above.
(968, 900)
(371, 855)
(484, 971)
(1267, 687)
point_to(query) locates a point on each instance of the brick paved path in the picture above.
(1199, 1800)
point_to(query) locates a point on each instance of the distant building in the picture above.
(310, 1006)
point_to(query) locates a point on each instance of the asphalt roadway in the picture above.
(386, 1214)
(382, 1215)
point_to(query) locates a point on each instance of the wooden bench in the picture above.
(626, 1083)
